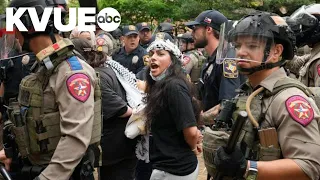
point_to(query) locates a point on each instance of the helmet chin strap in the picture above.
(263, 65)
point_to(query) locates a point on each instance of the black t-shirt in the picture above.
(169, 151)
(115, 145)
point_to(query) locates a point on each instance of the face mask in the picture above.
(164, 74)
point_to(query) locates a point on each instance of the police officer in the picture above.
(14, 66)
(281, 138)
(144, 34)
(219, 81)
(131, 54)
(58, 104)
(192, 58)
(307, 67)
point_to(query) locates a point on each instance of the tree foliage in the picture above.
(133, 11)
(150, 10)
(3, 4)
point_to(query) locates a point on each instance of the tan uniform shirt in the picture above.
(297, 120)
(190, 61)
(296, 63)
(75, 123)
(312, 76)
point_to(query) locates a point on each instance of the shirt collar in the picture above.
(213, 56)
(135, 51)
(271, 80)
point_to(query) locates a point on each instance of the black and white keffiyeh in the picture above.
(134, 97)
(167, 45)
(128, 81)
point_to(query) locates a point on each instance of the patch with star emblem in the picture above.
(318, 69)
(186, 60)
(79, 86)
(300, 110)
(230, 69)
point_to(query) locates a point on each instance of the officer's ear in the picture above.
(277, 52)
(209, 29)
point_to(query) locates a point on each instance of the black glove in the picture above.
(233, 165)
(36, 178)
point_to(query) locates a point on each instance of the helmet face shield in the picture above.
(303, 17)
(247, 41)
(225, 48)
(182, 43)
(7, 39)
(304, 22)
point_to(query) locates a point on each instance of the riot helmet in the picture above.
(266, 28)
(161, 36)
(305, 24)
(184, 40)
(40, 6)
(116, 34)
(167, 28)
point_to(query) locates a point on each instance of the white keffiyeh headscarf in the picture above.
(167, 45)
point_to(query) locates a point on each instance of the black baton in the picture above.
(233, 139)
(4, 173)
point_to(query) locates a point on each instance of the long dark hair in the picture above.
(157, 90)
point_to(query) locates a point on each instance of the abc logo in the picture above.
(109, 19)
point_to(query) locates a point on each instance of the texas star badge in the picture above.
(79, 86)
(300, 109)
(230, 69)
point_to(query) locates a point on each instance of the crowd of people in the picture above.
(139, 105)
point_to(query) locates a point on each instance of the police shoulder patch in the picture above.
(230, 69)
(79, 86)
(318, 69)
(186, 60)
(300, 109)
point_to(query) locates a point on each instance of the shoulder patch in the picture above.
(74, 63)
(230, 69)
(79, 86)
(300, 109)
(318, 69)
(186, 60)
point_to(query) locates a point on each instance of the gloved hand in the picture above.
(232, 165)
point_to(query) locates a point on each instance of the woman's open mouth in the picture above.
(154, 66)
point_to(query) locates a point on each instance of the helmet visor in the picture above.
(302, 17)
(7, 39)
(245, 42)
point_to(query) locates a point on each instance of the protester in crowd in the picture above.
(171, 120)
(141, 75)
